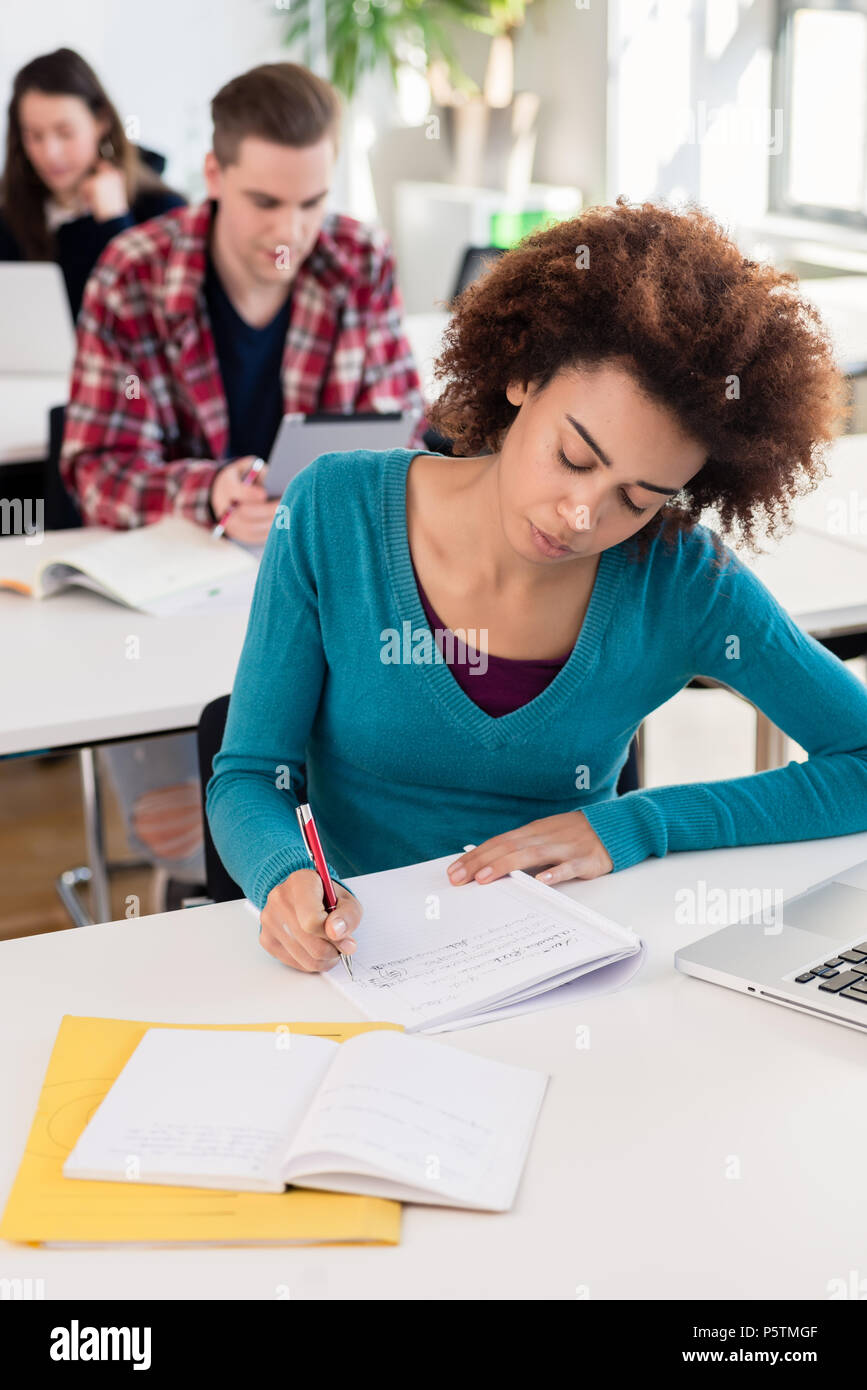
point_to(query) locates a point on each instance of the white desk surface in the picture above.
(625, 1189)
(842, 302)
(818, 571)
(68, 681)
(838, 506)
(819, 580)
(25, 401)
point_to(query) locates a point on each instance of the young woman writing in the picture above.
(606, 381)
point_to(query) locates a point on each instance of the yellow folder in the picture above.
(88, 1055)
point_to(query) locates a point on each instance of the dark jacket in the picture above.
(80, 243)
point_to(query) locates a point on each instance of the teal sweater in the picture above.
(400, 765)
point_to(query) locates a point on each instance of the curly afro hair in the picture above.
(727, 344)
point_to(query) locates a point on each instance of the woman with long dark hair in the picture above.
(72, 179)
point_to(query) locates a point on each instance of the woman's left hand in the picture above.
(104, 192)
(558, 847)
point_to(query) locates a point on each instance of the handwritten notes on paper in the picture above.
(484, 944)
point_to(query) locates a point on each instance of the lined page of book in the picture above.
(203, 1109)
(591, 980)
(146, 565)
(430, 1117)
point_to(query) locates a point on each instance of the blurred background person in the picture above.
(72, 178)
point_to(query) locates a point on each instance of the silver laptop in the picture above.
(809, 954)
(37, 336)
(302, 438)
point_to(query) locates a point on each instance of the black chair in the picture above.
(630, 773)
(220, 887)
(152, 159)
(474, 262)
(61, 511)
(437, 443)
(212, 724)
(847, 646)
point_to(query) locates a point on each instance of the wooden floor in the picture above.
(42, 833)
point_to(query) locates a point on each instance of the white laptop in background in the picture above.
(37, 347)
(813, 957)
(37, 334)
(302, 438)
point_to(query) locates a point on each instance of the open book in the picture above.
(435, 956)
(381, 1114)
(172, 566)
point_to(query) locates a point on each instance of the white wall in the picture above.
(563, 55)
(161, 61)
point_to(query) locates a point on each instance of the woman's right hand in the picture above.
(104, 192)
(297, 929)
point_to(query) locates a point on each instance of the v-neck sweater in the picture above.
(342, 699)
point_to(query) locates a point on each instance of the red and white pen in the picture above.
(253, 472)
(310, 836)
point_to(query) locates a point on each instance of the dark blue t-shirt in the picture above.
(250, 360)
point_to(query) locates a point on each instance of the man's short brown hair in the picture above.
(282, 102)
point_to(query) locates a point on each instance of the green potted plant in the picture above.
(490, 128)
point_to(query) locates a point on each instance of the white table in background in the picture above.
(818, 577)
(812, 571)
(627, 1191)
(69, 680)
(25, 400)
(72, 681)
(842, 303)
(819, 580)
(837, 508)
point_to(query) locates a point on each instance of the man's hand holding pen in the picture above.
(240, 502)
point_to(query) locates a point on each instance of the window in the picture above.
(820, 84)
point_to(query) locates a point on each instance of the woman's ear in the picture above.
(515, 392)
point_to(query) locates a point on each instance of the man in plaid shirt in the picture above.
(198, 330)
(149, 427)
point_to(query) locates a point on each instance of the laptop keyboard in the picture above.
(844, 974)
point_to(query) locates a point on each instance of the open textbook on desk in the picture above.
(382, 1115)
(434, 956)
(170, 566)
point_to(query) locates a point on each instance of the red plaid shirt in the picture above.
(147, 420)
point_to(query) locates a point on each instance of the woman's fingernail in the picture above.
(546, 876)
(338, 927)
(348, 946)
(457, 872)
(484, 873)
